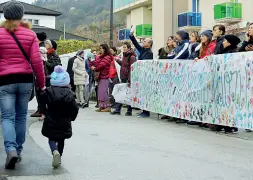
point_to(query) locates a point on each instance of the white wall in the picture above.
(47, 21)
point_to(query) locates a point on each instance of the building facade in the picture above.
(165, 17)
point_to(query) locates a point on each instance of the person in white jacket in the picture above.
(81, 77)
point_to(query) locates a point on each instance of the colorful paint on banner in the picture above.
(218, 90)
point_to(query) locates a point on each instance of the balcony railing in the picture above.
(121, 3)
(228, 11)
(189, 19)
(124, 34)
(144, 30)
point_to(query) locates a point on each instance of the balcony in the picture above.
(124, 6)
(190, 21)
(144, 30)
(123, 34)
(228, 12)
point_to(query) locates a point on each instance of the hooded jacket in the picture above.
(60, 108)
(81, 77)
(181, 51)
(128, 59)
(145, 53)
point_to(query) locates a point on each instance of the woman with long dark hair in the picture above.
(167, 49)
(247, 44)
(102, 66)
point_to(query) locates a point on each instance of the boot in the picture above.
(56, 159)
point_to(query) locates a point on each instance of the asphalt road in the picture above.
(105, 147)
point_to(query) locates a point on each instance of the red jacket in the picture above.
(113, 70)
(102, 65)
(209, 50)
(12, 61)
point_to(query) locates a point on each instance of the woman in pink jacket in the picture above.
(16, 78)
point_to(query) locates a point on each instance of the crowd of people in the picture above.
(30, 62)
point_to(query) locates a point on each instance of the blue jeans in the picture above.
(119, 106)
(14, 100)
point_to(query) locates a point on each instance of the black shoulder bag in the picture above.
(28, 60)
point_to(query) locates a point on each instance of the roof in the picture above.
(35, 10)
(57, 34)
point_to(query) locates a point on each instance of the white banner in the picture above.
(122, 94)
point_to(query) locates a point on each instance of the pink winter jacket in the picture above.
(13, 63)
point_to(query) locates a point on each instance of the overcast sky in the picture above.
(27, 1)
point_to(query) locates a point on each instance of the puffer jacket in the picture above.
(113, 70)
(102, 65)
(128, 59)
(209, 50)
(14, 67)
(60, 108)
(81, 77)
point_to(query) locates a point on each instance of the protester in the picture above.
(207, 45)
(16, 78)
(181, 51)
(94, 52)
(53, 59)
(229, 46)
(113, 76)
(167, 49)
(194, 45)
(41, 38)
(81, 77)
(102, 66)
(218, 34)
(247, 44)
(88, 88)
(60, 108)
(129, 57)
(145, 54)
(71, 72)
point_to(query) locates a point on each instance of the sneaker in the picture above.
(56, 159)
(85, 105)
(143, 115)
(115, 113)
(19, 158)
(11, 160)
(128, 114)
(36, 114)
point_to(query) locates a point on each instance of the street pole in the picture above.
(111, 24)
(64, 30)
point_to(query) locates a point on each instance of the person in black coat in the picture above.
(71, 73)
(218, 34)
(230, 44)
(145, 54)
(247, 44)
(60, 108)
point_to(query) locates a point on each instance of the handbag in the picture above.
(28, 60)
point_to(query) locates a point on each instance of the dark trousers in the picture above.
(56, 145)
(37, 93)
(96, 89)
(119, 106)
(111, 86)
(73, 87)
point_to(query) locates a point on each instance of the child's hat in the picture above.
(60, 77)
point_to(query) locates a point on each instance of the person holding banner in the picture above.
(145, 54)
(129, 57)
(247, 44)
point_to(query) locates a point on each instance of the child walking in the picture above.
(60, 108)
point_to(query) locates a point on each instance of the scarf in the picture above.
(50, 51)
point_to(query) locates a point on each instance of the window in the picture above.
(36, 22)
(30, 20)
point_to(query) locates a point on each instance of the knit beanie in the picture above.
(52, 43)
(13, 10)
(183, 34)
(208, 34)
(232, 39)
(41, 36)
(60, 77)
